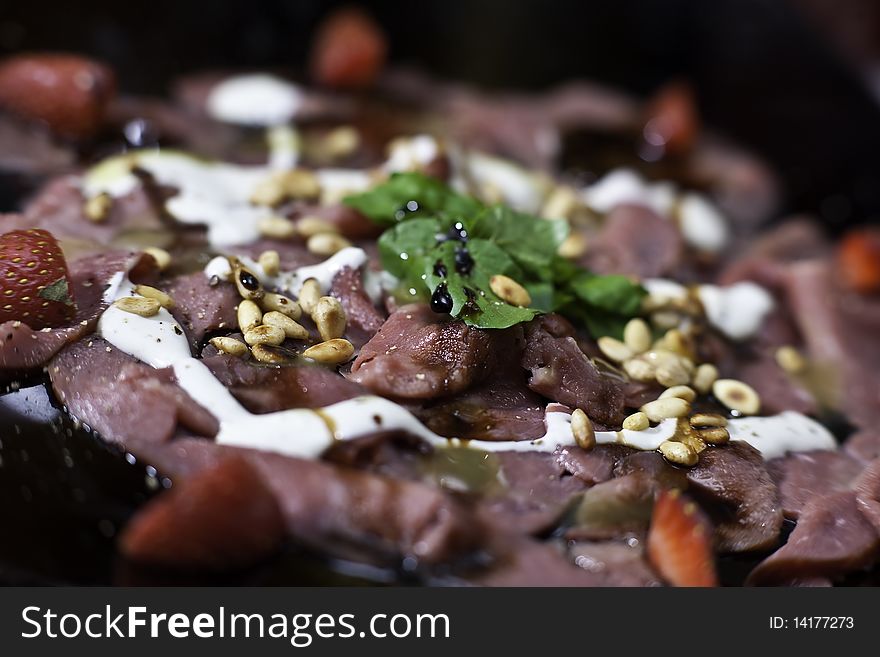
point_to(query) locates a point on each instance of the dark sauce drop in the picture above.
(471, 306)
(440, 269)
(248, 280)
(441, 300)
(463, 261)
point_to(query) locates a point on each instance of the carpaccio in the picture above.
(609, 378)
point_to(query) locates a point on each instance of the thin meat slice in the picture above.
(419, 355)
(592, 466)
(832, 538)
(621, 563)
(864, 445)
(636, 241)
(363, 319)
(527, 562)
(122, 398)
(867, 488)
(562, 372)
(803, 477)
(615, 509)
(201, 307)
(734, 487)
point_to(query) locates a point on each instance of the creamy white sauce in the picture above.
(701, 224)
(519, 188)
(412, 153)
(256, 100)
(736, 310)
(778, 435)
(284, 147)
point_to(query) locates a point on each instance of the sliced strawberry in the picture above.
(672, 120)
(680, 542)
(858, 260)
(349, 50)
(34, 282)
(223, 517)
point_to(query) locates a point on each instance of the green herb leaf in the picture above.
(57, 291)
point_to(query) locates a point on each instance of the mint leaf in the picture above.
(613, 293)
(57, 291)
(408, 195)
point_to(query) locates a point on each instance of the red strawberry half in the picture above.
(680, 542)
(34, 282)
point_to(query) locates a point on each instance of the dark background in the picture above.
(790, 78)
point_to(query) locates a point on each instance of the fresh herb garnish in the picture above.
(444, 247)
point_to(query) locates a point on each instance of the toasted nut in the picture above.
(341, 142)
(699, 420)
(790, 360)
(327, 244)
(97, 207)
(280, 303)
(737, 396)
(668, 407)
(277, 228)
(264, 334)
(672, 373)
(291, 328)
(691, 438)
(268, 192)
(704, 377)
(161, 256)
(311, 226)
(682, 392)
(152, 293)
(329, 317)
(229, 346)
(676, 342)
(331, 352)
(637, 335)
(714, 435)
(309, 295)
(270, 261)
(138, 306)
(301, 183)
(573, 246)
(665, 319)
(636, 422)
(561, 203)
(247, 284)
(249, 315)
(678, 453)
(265, 353)
(509, 290)
(639, 369)
(582, 430)
(614, 349)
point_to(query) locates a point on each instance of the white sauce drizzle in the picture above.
(160, 342)
(412, 153)
(257, 100)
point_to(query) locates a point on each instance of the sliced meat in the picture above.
(122, 398)
(200, 307)
(530, 563)
(867, 488)
(832, 538)
(363, 319)
(733, 485)
(615, 509)
(592, 466)
(778, 391)
(636, 241)
(864, 445)
(620, 563)
(418, 355)
(655, 467)
(562, 372)
(806, 476)
(268, 389)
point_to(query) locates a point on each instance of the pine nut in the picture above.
(582, 430)
(342, 142)
(704, 377)
(699, 420)
(331, 352)
(309, 295)
(329, 317)
(637, 335)
(269, 192)
(737, 396)
(714, 435)
(270, 261)
(267, 354)
(301, 184)
(327, 244)
(277, 228)
(675, 341)
(161, 256)
(682, 392)
(509, 291)
(561, 204)
(636, 422)
(246, 282)
(614, 349)
(669, 407)
(264, 334)
(573, 246)
(280, 303)
(152, 293)
(229, 346)
(291, 328)
(790, 360)
(639, 369)
(672, 374)
(138, 306)
(249, 315)
(311, 226)
(665, 319)
(678, 453)
(98, 207)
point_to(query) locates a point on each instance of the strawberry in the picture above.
(223, 517)
(34, 281)
(858, 260)
(680, 542)
(349, 50)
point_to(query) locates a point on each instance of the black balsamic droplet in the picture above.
(248, 280)
(441, 300)
(470, 305)
(440, 269)
(463, 261)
